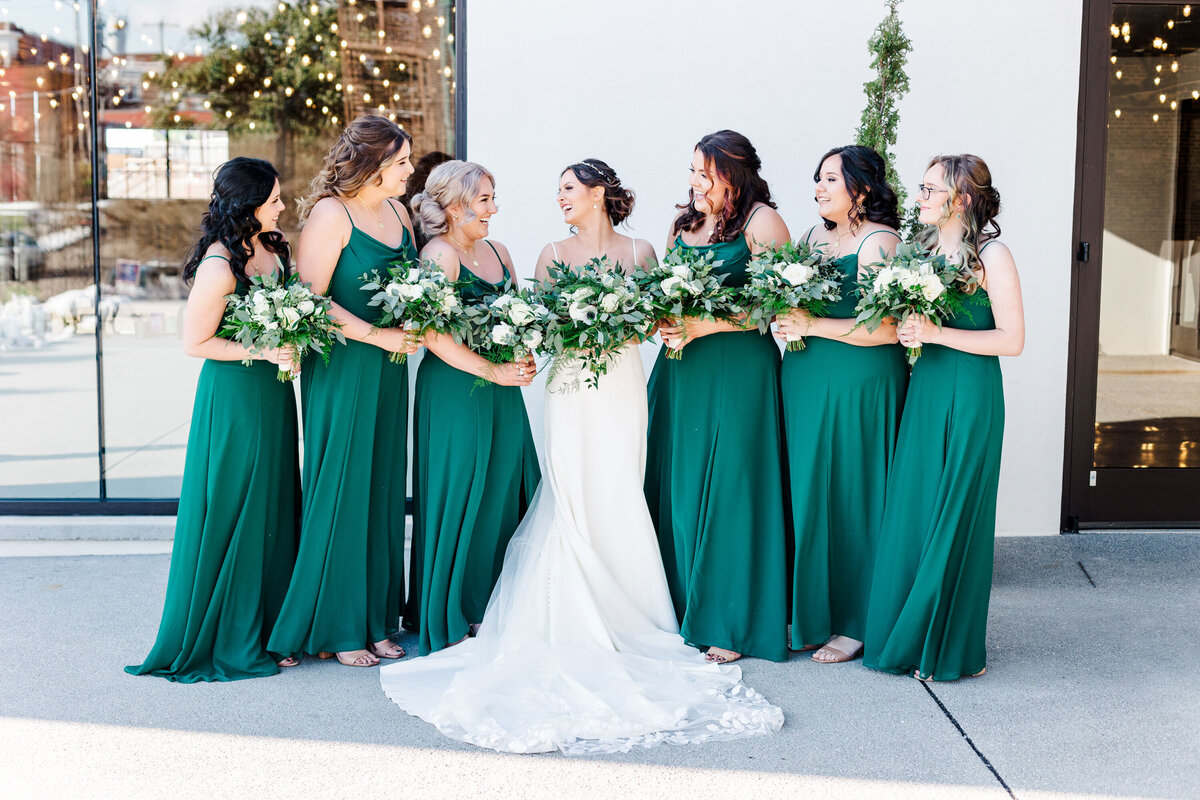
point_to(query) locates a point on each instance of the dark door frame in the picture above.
(1165, 497)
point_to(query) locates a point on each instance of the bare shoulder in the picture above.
(501, 250)
(996, 251)
(442, 253)
(215, 273)
(766, 227)
(401, 210)
(329, 215)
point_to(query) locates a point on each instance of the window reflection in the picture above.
(270, 80)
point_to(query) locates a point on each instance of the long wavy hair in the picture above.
(865, 174)
(734, 160)
(240, 187)
(968, 177)
(592, 172)
(364, 150)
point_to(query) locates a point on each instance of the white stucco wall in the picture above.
(637, 83)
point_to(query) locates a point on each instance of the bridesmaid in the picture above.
(235, 533)
(842, 399)
(474, 464)
(933, 574)
(714, 478)
(348, 585)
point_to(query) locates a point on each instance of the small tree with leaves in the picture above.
(889, 48)
(276, 70)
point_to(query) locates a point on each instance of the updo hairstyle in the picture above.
(592, 172)
(451, 183)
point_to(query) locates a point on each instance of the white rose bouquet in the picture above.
(596, 309)
(281, 313)
(415, 296)
(506, 327)
(911, 282)
(787, 277)
(683, 285)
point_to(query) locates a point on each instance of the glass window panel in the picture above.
(1148, 386)
(48, 414)
(170, 118)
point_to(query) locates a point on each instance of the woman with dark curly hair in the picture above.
(714, 480)
(842, 396)
(235, 532)
(348, 585)
(933, 575)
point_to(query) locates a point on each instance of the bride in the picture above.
(579, 649)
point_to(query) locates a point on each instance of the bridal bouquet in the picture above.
(415, 296)
(683, 285)
(281, 313)
(911, 282)
(596, 309)
(787, 277)
(506, 327)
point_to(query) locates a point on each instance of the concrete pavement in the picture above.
(1092, 691)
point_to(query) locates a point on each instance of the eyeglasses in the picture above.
(924, 191)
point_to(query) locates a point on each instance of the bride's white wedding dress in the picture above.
(579, 649)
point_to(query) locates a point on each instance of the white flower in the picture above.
(582, 312)
(796, 274)
(449, 300)
(672, 285)
(532, 339)
(910, 278)
(290, 317)
(681, 271)
(883, 278)
(520, 313)
(306, 307)
(410, 292)
(579, 295)
(610, 302)
(502, 334)
(931, 287)
(502, 302)
(413, 275)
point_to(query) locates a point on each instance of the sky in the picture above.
(57, 19)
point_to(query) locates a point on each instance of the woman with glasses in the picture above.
(933, 572)
(842, 396)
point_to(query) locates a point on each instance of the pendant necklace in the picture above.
(378, 219)
(463, 248)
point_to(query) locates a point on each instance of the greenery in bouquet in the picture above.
(596, 309)
(683, 285)
(277, 314)
(914, 281)
(417, 297)
(508, 326)
(788, 277)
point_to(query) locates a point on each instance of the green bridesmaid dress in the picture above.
(933, 573)
(841, 409)
(348, 585)
(475, 470)
(235, 530)
(714, 482)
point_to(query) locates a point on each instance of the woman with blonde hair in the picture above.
(933, 572)
(348, 585)
(474, 464)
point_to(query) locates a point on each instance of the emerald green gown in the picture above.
(235, 529)
(841, 409)
(933, 573)
(348, 585)
(475, 470)
(714, 483)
